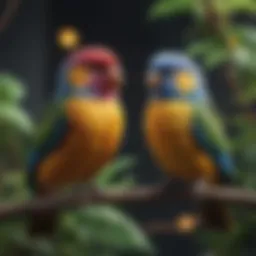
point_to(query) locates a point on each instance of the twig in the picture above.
(218, 24)
(9, 12)
(148, 194)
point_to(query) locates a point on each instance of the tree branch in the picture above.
(147, 194)
(8, 13)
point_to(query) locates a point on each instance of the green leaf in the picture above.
(13, 117)
(95, 230)
(16, 130)
(244, 58)
(163, 8)
(13, 186)
(249, 94)
(11, 89)
(235, 6)
(244, 47)
(245, 33)
(105, 227)
(210, 50)
(118, 168)
(216, 58)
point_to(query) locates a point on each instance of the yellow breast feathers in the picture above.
(167, 128)
(95, 134)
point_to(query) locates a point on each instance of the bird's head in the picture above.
(173, 76)
(91, 72)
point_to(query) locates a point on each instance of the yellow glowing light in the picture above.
(68, 38)
(186, 82)
(78, 76)
(186, 223)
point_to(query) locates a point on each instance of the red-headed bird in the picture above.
(183, 131)
(83, 130)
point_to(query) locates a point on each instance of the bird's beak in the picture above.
(80, 79)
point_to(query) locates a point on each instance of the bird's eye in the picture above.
(153, 79)
(79, 76)
(185, 81)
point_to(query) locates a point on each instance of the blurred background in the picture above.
(34, 38)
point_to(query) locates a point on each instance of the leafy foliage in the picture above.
(15, 119)
(213, 48)
(244, 52)
(11, 89)
(235, 6)
(239, 48)
(103, 227)
(16, 127)
(119, 170)
(163, 8)
(239, 242)
(96, 230)
(210, 50)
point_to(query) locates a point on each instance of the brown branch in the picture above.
(9, 12)
(148, 194)
(218, 25)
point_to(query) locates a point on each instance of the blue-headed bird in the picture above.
(183, 130)
(83, 130)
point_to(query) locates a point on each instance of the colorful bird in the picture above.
(182, 129)
(83, 130)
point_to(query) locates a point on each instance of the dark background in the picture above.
(28, 49)
(123, 26)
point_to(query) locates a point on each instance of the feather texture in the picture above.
(210, 136)
(82, 130)
(50, 136)
(182, 129)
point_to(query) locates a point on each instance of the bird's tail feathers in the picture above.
(42, 223)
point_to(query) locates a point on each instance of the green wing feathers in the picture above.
(50, 118)
(209, 133)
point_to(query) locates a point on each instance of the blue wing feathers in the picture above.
(41, 151)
